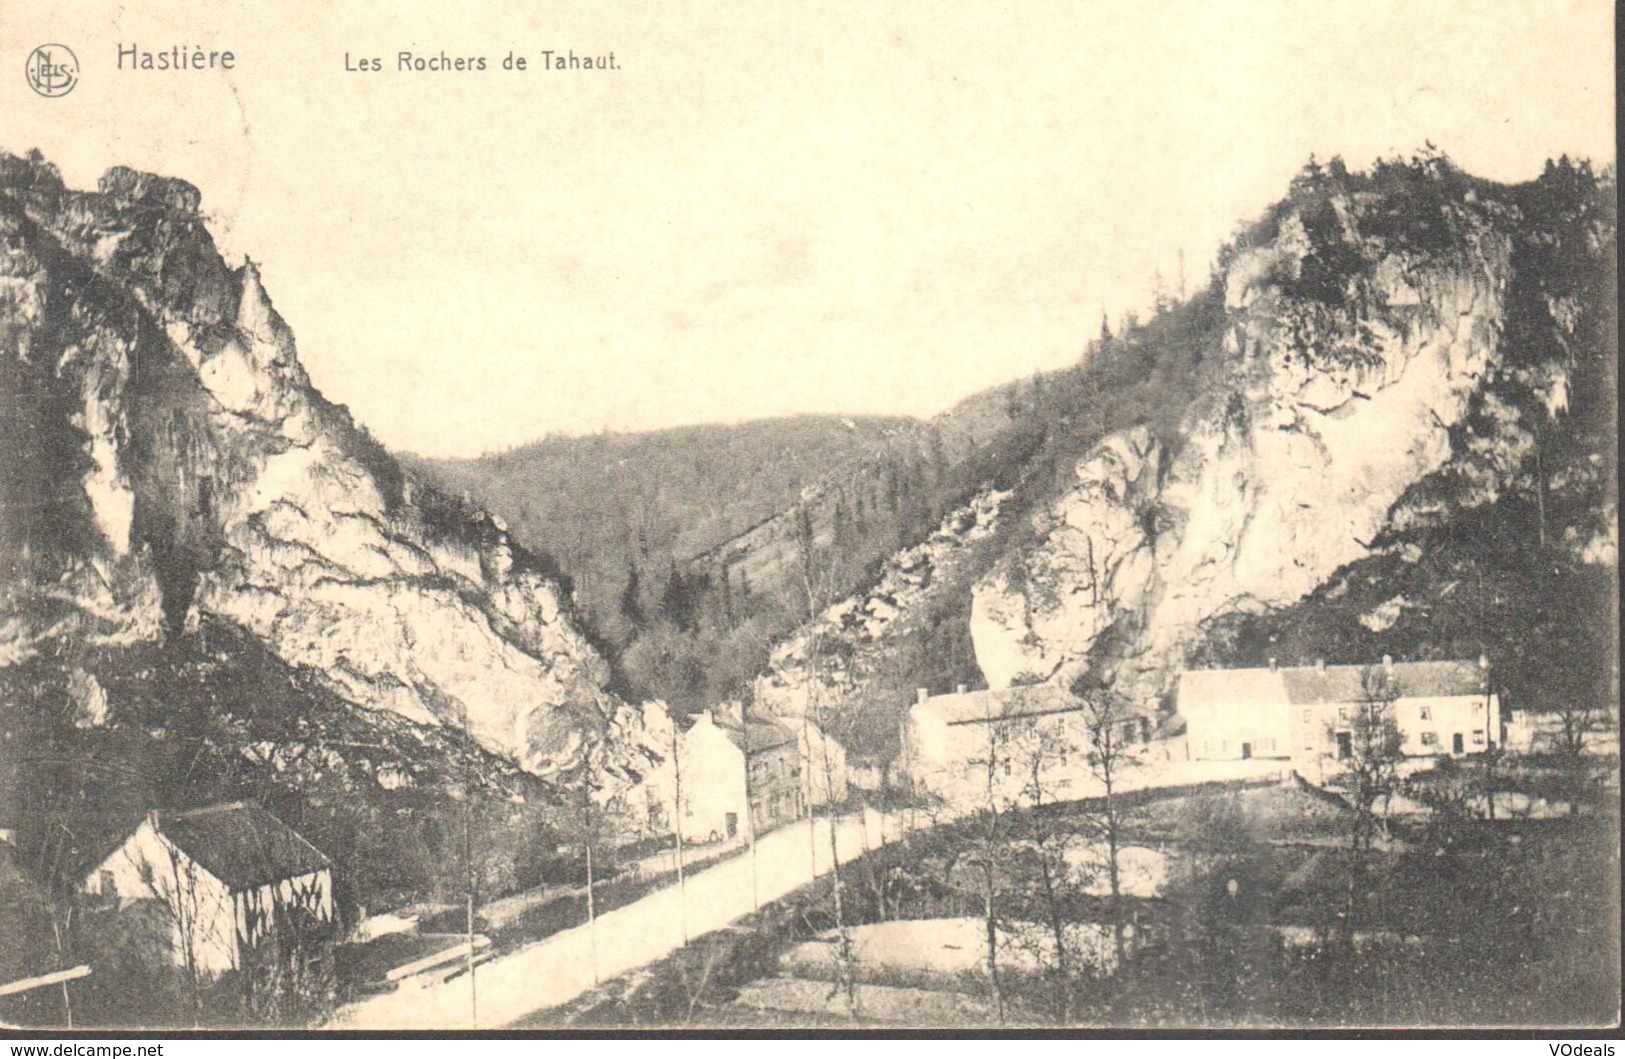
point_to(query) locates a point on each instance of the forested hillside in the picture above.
(692, 551)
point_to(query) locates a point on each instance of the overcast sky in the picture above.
(770, 208)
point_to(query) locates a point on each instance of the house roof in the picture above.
(757, 736)
(1310, 685)
(973, 707)
(1222, 685)
(242, 845)
(1317, 685)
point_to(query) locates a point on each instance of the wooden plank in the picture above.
(23, 985)
(407, 970)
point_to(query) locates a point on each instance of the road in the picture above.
(559, 968)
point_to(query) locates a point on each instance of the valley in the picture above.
(1302, 591)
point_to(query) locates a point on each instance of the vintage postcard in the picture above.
(859, 517)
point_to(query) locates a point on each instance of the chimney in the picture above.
(704, 717)
(921, 694)
(1320, 666)
(1484, 662)
(1388, 663)
(959, 689)
(1272, 665)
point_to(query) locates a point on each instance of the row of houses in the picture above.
(729, 776)
(1312, 712)
(1020, 744)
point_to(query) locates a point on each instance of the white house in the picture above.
(1236, 713)
(709, 782)
(1308, 712)
(1034, 740)
(224, 878)
(825, 777)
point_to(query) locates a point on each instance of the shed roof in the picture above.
(242, 845)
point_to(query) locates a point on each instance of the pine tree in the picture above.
(631, 607)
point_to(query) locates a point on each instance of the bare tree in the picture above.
(817, 583)
(178, 892)
(1370, 748)
(285, 937)
(591, 826)
(678, 806)
(1110, 753)
(990, 849)
(1043, 857)
(1370, 771)
(1577, 720)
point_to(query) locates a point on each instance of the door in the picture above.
(1246, 751)
(733, 824)
(1457, 744)
(1345, 745)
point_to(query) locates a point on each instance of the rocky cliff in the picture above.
(1368, 383)
(168, 460)
(857, 665)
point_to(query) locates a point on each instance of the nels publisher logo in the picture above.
(52, 70)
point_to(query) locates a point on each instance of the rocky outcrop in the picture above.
(172, 460)
(848, 661)
(1345, 386)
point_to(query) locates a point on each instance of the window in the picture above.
(1427, 713)
(1343, 714)
(1478, 738)
(1430, 739)
(1308, 716)
(108, 887)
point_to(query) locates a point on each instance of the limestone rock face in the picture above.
(833, 660)
(1334, 408)
(172, 459)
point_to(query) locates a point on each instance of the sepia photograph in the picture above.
(844, 519)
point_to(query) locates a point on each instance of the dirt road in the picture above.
(559, 968)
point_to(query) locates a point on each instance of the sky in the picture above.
(768, 208)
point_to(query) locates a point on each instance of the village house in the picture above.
(709, 783)
(1035, 739)
(731, 775)
(825, 774)
(222, 879)
(777, 769)
(1308, 712)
